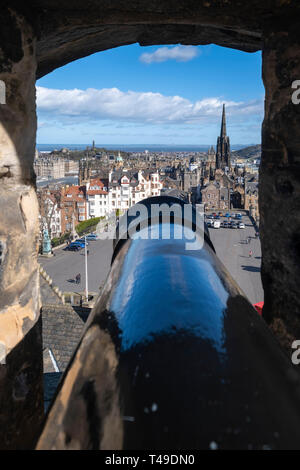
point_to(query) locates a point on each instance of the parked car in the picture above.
(91, 236)
(234, 225)
(81, 240)
(241, 225)
(227, 214)
(217, 224)
(78, 243)
(238, 216)
(72, 247)
(225, 224)
(209, 223)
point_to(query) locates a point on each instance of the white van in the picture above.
(217, 224)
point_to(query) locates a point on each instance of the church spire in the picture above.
(223, 125)
(223, 146)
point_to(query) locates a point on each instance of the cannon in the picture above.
(173, 355)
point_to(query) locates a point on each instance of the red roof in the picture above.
(92, 192)
(77, 193)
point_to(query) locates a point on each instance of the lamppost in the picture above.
(86, 271)
(73, 231)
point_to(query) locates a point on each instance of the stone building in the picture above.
(85, 172)
(215, 197)
(49, 168)
(210, 196)
(251, 199)
(238, 197)
(71, 166)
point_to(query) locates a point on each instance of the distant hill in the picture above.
(254, 151)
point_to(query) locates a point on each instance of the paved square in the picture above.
(232, 250)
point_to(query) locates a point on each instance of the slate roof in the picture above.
(62, 329)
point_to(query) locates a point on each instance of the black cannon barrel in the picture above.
(174, 357)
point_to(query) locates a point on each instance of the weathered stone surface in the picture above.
(69, 31)
(21, 393)
(280, 183)
(21, 407)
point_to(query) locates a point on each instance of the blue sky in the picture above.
(153, 95)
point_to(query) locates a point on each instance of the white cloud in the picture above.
(178, 53)
(138, 107)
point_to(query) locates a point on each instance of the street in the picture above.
(64, 266)
(230, 245)
(232, 250)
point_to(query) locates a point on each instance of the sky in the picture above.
(170, 95)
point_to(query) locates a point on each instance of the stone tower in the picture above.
(223, 146)
(84, 174)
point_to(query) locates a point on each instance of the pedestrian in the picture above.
(88, 252)
(78, 278)
(250, 254)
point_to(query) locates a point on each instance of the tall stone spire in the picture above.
(223, 125)
(223, 146)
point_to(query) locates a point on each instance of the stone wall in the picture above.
(279, 194)
(21, 365)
